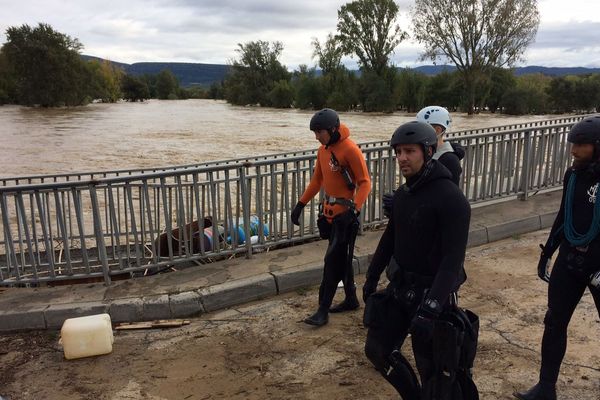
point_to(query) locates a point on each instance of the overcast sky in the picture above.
(208, 31)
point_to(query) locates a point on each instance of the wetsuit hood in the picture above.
(341, 134)
(448, 147)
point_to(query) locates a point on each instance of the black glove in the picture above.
(295, 216)
(422, 324)
(369, 288)
(387, 201)
(543, 265)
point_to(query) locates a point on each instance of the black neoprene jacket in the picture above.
(585, 196)
(427, 231)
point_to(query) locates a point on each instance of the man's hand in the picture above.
(369, 288)
(422, 324)
(387, 201)
(296, 212)
(544, 265)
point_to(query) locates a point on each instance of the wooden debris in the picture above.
(159, 323)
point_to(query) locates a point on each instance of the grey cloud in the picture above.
(569, 35)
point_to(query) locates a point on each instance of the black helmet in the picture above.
(325, 119)
(586, 131)
(415, 132)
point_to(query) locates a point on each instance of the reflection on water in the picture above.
(160, 133)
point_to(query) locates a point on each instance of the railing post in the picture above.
(525, 165)
(99, 235)
(246, 208)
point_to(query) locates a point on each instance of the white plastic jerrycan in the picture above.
(87, 336)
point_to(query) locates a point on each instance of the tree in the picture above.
(105, 81)
(502, 80)
(310, 91)
(367, 28)
(46, 65)
(475, 35)
(282, 94)
(134, 89)
(166, 85)
(410, 90)
(329, 55)
(254, 75)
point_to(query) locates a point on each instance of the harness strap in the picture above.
(340, 200)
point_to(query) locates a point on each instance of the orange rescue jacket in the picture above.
(329, 176)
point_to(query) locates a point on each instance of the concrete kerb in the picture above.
(126, 310)
(186, 304)
(32, 319)
(236, 292)
(56, 314)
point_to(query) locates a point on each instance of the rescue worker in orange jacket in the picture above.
(342, 172)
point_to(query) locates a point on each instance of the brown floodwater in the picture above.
(158, 133)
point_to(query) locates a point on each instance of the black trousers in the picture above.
(565, 290)
(384, 338)
(337, 262)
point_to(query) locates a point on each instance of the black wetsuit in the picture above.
(427, 236)
(571, 271)
(450, 154)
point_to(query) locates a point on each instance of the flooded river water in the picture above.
(158, 133)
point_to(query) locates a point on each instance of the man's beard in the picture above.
(581, 163)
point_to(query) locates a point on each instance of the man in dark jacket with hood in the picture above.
(423, 248)
(576, 235)
(448, 154)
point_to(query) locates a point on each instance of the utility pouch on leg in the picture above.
(323, 225)
(376, 309)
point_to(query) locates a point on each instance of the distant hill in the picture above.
(193, 74)
(533, 69)
(188, 74)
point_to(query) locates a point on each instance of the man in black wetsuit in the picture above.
(576, 235)
(423, 248)
(448, 154)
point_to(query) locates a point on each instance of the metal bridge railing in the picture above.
(133, 223)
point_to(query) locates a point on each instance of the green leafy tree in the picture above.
(216, 91)
(367, 29)
(344, 96)
(166, 85)
(475, 35)
(529, 96)
(410, 90)
(310, 91)
(561, 91)
(282, 94)
(134, 89)
(502, 80)
(255, 73)
(444, 89)
(376, 91)
(329, 55)
(7, 81)
(105, 81)
(46, 65)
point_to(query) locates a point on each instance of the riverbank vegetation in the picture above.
(39, 66)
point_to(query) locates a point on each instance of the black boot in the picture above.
(540, 391)
(350, 303)
(320, 318)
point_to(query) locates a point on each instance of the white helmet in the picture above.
(435, 115)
